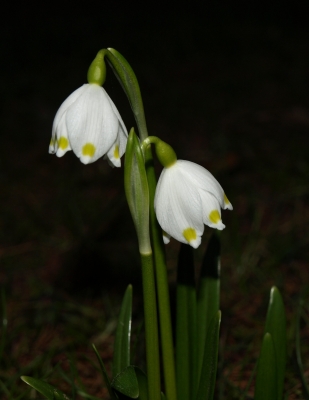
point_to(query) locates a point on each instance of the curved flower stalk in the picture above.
(89, 123)
(187, 197)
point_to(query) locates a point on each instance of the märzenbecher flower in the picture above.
(187, 197)
(89, 123)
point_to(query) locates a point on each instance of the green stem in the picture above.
(162, 288)
(128, 80)
(151, 328)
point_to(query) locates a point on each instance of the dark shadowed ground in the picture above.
(227, 87)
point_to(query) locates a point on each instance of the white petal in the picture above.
(211, 211)
(203, 179)
(62, 144)
(113, 154)
(166, 237)
(178, 204)
(91, 122)
(122, 125)
(59, 128)
(65, 105)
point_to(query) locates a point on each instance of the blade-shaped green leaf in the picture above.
(209, 370)
(50, 392)
(126, 383)
(121, 358)
(208, 295)
(104, 373)
(186, 357)
(266, 379)
(276, 326)
(137, 191)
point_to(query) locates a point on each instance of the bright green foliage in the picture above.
(50, 392)
(121, 357)
(266, 380)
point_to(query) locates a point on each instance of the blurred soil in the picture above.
(229, 91)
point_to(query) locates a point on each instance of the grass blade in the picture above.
(276, 326)
(104, 374)
(121, 358)
(266, 380)
(209, 370)
(49, 391)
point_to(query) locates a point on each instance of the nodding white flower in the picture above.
(89, 123)
(187, 197)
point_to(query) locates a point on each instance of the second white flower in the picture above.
(187, 197)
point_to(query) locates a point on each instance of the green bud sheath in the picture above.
(97, 70)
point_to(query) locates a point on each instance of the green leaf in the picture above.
(276, 326)
(208, 295)
(266, 379)
(209, 370)
(142, 384)
(186, 357)
(121, 358)
(126, 383)
(136, 190)
(104, 373)
(50, 392)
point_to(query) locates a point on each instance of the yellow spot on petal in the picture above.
(88, 150)
(116, 151)
(189, 234)
(214, 216)
(226, 200)
(52, 142)
(63, 142)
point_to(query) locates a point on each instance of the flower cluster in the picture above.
(187, 195)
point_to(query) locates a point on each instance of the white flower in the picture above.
(187, 197)
(89, 123)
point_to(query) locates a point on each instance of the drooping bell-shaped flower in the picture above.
(89, 123)
(187, 197)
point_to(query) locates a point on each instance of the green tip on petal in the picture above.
(97, 70)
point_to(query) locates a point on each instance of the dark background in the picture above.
(226, 84)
